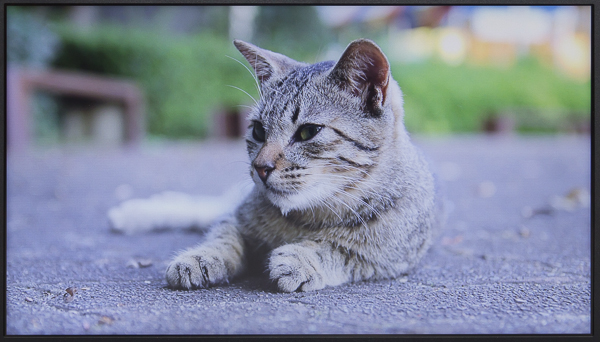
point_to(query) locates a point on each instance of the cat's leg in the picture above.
(310, 265)
(216, 260)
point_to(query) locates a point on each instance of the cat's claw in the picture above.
(198, 271)
(295, 268)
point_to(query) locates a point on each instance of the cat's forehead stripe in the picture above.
(296, 113)
(287, 92)
(296, 96)
(283, 101)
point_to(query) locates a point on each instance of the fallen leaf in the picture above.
(145, 263)
(105, 320)
(139, 263)
(576, 197)
(580, 195)
(529, 212)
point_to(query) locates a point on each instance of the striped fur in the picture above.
(355, 201)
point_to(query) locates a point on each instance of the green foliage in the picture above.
(185, 79)
(31, 44)
(440, 98)
(29, 41)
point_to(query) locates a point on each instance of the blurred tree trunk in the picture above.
(241, 22)
(84, 17)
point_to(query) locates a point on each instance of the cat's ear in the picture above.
(364, 71)
(265, 63)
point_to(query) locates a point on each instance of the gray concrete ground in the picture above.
(514, 257)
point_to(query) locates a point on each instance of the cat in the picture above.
(341, 194)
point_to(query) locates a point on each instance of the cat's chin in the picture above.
(295, 202)
(311, 197)
(286, 203)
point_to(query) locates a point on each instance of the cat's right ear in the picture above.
(266, 63)
(364, 71)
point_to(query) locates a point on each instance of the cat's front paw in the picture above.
(295, 268)
(196, 271)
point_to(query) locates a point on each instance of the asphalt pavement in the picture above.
(514, 257)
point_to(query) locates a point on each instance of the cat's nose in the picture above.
(264, 171)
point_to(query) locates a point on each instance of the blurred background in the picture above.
(117, 75)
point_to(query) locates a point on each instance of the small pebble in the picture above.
(524, 232)
(68, 298)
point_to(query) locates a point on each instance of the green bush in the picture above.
(185, 79)
(29, 41)
(440, 98)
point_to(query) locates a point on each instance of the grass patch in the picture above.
(440, 98)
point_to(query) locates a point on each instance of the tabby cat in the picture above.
(341, 194)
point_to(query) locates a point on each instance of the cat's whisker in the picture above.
(352, 168)
(245, 92)
(366, 190)
(318, 55)
(247, 184)
(352, 210)
(358, 199)
(246, 106)
(345, 166)
(251, 73)
(238, 162)
(375, 211)
(346, 193)
(353, 179)
(312, 210)
(323, 202)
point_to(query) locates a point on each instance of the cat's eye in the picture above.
(258, 132)
(307, 132)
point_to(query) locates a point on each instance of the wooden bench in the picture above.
(22, 83)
